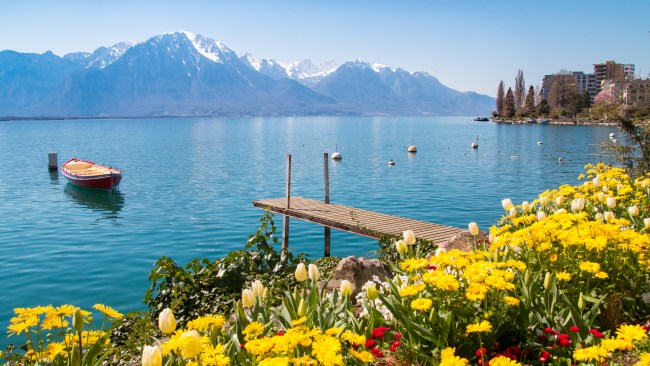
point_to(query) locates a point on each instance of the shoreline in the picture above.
(557, 122)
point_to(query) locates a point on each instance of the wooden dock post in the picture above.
(285, 224)
(327, 201)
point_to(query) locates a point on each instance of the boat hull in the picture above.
(106, 181)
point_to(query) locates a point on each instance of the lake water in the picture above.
(188, 186)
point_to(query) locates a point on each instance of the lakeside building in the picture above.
(637, 93)
(583, 83)
(610, 70)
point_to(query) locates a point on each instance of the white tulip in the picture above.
(601, 197)
(438, 251)
(559, 200)
(577, 204)
(543, 200)
(541, 215)
(166, 321)
(301, 272)
(473, 228)
(513, 212)
(525, 206)
(609, 216)
(409, 237)
(506, 203)
(606, 189)
(248, 298)
(313, 272)
(646, 222)
(596, 181)
(258, 288)
(633, 211)
(645, 183)
(611, 202)
(599, 217)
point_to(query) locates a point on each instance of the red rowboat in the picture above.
(87, 174)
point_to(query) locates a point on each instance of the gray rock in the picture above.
(465, 241)
(358, 271)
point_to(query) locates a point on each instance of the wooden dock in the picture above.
(357, 221)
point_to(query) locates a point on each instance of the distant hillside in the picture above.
(185, 74)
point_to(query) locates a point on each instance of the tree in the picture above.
(543, 109)
(509, 104)
(500, 101)
(529, 105)
(562, 89)
(520, 90)
(586, 100)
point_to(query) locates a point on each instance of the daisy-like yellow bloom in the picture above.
(482, 327)
(602, 275)
(644, 359)
(108, 311)
(594, 353)
(449, 358)
(353, 338)
(19, 325)
(512, 301)
(327, 350)
(613, 345)
(446, 282)
(334, 331)
(363, 356)
(214, 355)
(275, 361)
(631, 333)
(412, 290)
(259, 347)
(414, 264)
(304, 361)
(503, 361)
(206, 322)
(421, 304)
(563, 276)
(476, 291)
(590, 267)
(52, 321)
(62, 311)
(253, 330)
(298, 321)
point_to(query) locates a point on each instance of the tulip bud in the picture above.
(599, 217)
(611, 202)
(581, 302)
(605, 189)
(525, 206)
(151, 356)
(633, 211)
(506, 203)
(473, 228)
(248, 298)
(346, 288)
(302, 308)
(577, 204)
(265, 294)
(596, 181)
(166, 321)
(190, 344)
(646, 222)
(301, 272)
(547, 280)
(258, 288)
(78, 320)
(601, 197)
(543, 200)
(401, 247)
(314, 273)
(513, 212)
(559, 200)
(541, 215)
(609, 216)
(409, 237)
(372, 292)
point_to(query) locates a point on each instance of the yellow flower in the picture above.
(476, 291)
(248, 298)
(191, 344)
(151, 356)
(631, 333)
(409, 237)
(206, 322)
(512, 301)
(353, 338)
(421, 304)
(448, 358)
(594, 353)
(346, 288)
(363, 356)
(301, 272)
(590, 267)
(412, 290)
(166, 321)
(602, 275)
(503, 361)
(108, 311)
(304, 361)
(253, 330)
(275, 361)
(482, 327)
(414, 264)
(259, 347)
(333, 331)
(644, 359)
(563, 276)
(299, 321)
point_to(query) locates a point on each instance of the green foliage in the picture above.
(389, 255)
(211, 287)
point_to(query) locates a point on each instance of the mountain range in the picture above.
(185, 74)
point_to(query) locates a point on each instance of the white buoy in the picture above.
(539, 143)
(391, 162)
(615, 141)
(412, 148)
(475, 144)
(612, 135)
(52, 161)
(559, 159)
(337, 155)
(514, 157)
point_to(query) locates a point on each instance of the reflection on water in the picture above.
(54, 176)
(108, 203)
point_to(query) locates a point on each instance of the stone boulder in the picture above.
(465, 241)
(358, 271)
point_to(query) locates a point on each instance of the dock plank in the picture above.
(354, 220)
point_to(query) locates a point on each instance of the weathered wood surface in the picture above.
(357, 221)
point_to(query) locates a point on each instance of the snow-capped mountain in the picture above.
(186, 74)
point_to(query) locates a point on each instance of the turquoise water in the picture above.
(188, 186)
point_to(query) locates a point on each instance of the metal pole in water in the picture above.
(52, 161)
(285, 226)
(327, 200)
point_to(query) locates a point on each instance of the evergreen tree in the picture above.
(529, 106)
(520, 90)
(509, 104)
(543, 109)
(586, 100)
(500, 99)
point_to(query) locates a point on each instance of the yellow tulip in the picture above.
(166, 321)
(248, 298)
(401, 247)
(372, 293)
(190, 344)
(78, 320)
(151, 356)
(302, 308)
(301, 272)
(346, 288)
(258, 288)
(547, 280)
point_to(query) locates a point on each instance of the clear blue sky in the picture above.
(467, 44)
